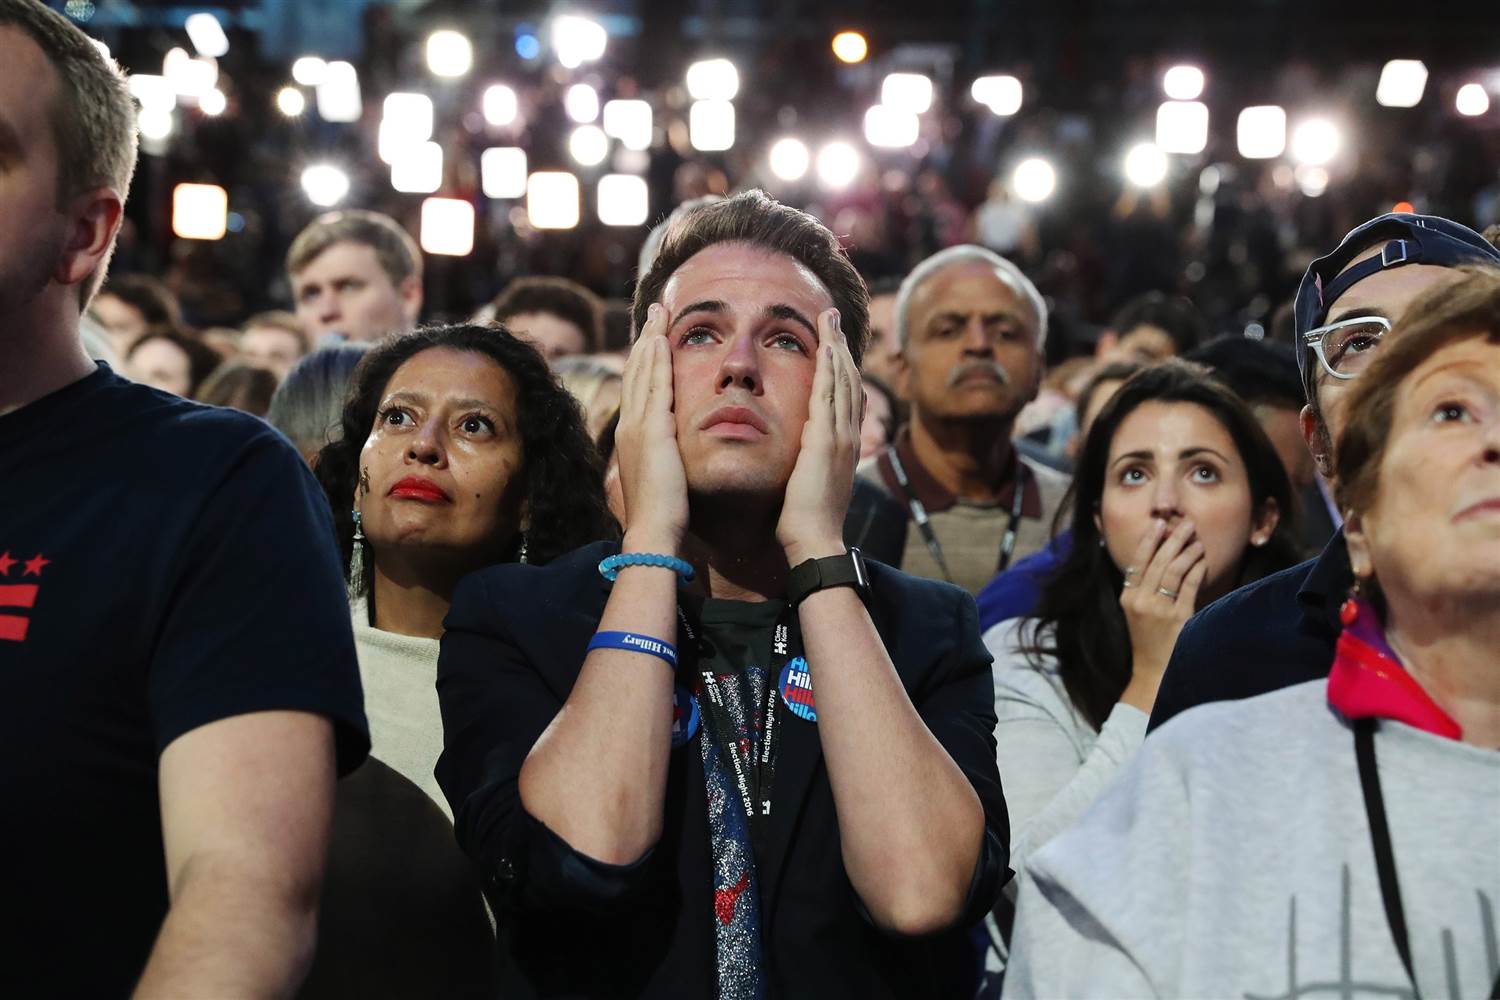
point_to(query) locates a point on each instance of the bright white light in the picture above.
(449, 53)
(447, 227)
(577, 40)
(502, 170)
(1182, 127)
(408, 115)
(907, 91)
(1145, 165)
(189, 77)
(290, 102)
(200, 211)
(552, 200)
(103, 48)
(1262, 132)
(309, 71)
(1183, 83)
(338, 94)
(713, 80)
(1472, 100)
(1034, 180)
(838, 165)
(850, 47)
(324, 184)
(630, 122)
(1001, 94)
(154, 92)
(1315, 142)
(207, 35)
(581, 102)
(213, 102)
(500, 105)
(1312, 181)
(1401, 84)
(419, 169)
(711, 125)
(588, 145)
(790, 159)
(622, 200)
(155, 123)
(891, 128)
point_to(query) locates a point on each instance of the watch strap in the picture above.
(812, 575)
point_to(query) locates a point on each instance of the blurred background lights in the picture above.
(1401, 84)
(1145, 165)
(418, 169)
(1261, 132)
(850, 47)
(1183, 83)
(154, 92)
(499, 104)
(907, 91)
(1315, 142)
(290, 102)
(581, 102)
(447, 227)
(577, 40)
(309, 71)
(552, 200)
(891, 128)
(588, 145)
(338, 94)
(630, 122)
(189, 77)
(711, 126)
(1471, 100)
(528, 46)
(838, 165)
(449, 53)
(409, 115)
(1034, 180)
(1000, 93)
(200, 211)
(212, 102)
(155, 123)
(1312, 181)
(324, 184)
(713, 80)
(207, 35)
(623, 200)
(790, 159)
(502, 171)
(1182, 127)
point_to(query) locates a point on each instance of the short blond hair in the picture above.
(394, 248)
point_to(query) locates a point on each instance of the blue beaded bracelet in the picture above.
(610, 566)
(636, 643)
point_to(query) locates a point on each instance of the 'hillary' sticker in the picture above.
(796, 690)
(685, 716)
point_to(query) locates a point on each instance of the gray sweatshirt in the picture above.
(1232, 858)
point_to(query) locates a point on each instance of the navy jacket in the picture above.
(1272, 634)
(570, 926)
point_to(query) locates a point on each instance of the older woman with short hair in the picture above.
(1340, 835)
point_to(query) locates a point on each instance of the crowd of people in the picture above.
(774, 633)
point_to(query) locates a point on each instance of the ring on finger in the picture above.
(1170, 595)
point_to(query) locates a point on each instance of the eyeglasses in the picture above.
(1345, 348)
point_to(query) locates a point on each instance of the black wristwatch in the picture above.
(847, 570)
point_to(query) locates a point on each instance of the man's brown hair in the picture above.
(1441, 316)
(756, 218)
(394, 248)
(567, 300)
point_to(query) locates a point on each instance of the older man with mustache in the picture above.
(952, 499)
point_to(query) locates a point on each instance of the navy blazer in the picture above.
(570, 926)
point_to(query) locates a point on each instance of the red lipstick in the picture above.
(417, 488)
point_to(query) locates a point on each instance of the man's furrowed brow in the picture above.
(712, 306)
(1357, 312)
(783, 311)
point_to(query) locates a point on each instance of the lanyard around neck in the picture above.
(920, 517)
(1385, 859)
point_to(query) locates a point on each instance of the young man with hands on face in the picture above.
(728, 758)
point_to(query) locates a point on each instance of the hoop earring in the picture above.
(359, 528)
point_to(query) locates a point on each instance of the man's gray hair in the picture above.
(968, 253)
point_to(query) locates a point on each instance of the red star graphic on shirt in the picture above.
(6, 562)
(34, 566)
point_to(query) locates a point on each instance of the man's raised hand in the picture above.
(652, 480)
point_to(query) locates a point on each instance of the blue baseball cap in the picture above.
(1408, 239)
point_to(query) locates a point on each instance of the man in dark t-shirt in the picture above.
(177, 676)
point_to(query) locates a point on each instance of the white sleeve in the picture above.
(1058, 951)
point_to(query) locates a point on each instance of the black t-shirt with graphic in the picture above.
(163, 565)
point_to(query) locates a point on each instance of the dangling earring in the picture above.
(359, 528)
(522, 556)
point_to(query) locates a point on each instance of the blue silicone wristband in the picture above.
(634, 642)
(610, 566)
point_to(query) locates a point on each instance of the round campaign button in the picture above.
(796, 690)
(685, 716)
